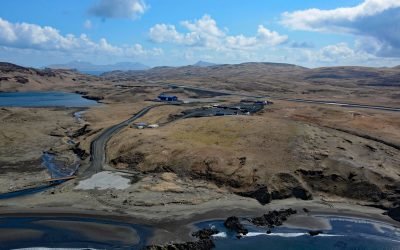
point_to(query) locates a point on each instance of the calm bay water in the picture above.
(43, 99)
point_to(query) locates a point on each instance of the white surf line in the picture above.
(290, 235)
(285, 235)
(220, 235)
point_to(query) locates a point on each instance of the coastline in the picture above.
(167, 230)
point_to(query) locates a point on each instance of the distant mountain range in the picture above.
(87, 67)
(204, 64)
(269, 76)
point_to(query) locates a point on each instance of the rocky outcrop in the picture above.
(82, 154)
(233, 223)
(273, 218)
(344, 186)
(94, 98)
(204, 243)
(204, 234)
(21, 79)
(82, 131)
(261, 194)
(394, 213)
(286, 185)
(197, 245)
(81, 92)
(315, 233)
(131, 161)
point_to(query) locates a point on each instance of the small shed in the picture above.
(168, 98)
(140, 125)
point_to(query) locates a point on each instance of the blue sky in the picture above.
(175, 32)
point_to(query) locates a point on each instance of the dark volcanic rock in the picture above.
(364, 190)
(81, 92)
(315, 233)
(394, 213)
(82, 131)
(342, 185)
(205, 234)
(198, 245)
(301, 193)
(21, 79)
(286, 186)
(94, 98)
(273, 218)
(261, 195)
(82, 154)
(233, 223)
(132, 160)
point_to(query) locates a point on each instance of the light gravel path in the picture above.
(105, 180)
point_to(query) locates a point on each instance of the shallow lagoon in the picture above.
(43, 99)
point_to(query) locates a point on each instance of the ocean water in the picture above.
(43, 99)
(346, 233)
(80, 233)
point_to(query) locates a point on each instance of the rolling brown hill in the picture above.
(17, 78)
(261, 72)
(359, 84)
(349, 83)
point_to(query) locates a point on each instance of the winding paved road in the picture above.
(98, 145)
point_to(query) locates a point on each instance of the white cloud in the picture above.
(163, 33)
(270, 37)
(205, 33)
(32, 36)
(88, 24)
(333, 55)
(119, 8)
(374, 21)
